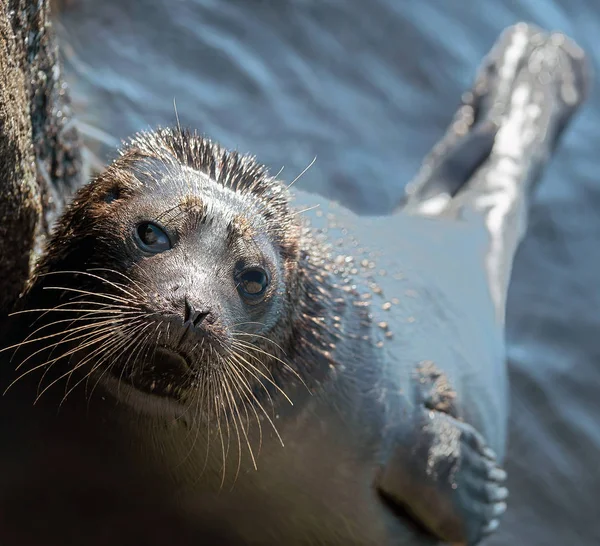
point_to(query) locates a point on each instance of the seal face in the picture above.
(179, 266)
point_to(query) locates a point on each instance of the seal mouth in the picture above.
(165, 375)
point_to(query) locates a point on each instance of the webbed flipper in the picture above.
(439, 469)
(527, 91)
(448, 481)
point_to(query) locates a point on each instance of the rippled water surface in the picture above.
(368, 87)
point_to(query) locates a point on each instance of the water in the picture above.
(368, 87)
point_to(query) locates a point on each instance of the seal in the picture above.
(300, 380)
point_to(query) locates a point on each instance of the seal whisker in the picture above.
(105, 337)
(136, 347)
(147, 347)
(252, 347)
(206, 393)
(86, 378)
(108, 350)
(202, 406)
(177, 116)
(301, 174)
(223, 403)
(107, 331)
(239, 395)
(101, 335)
(221, 415)
(198, 402)
(302, 211)
(50, 355)
(76, 301)
(260, 372)
(141, 352)
(60, 308)
(46, 371)
(210, 391)
(67, 332)
(264, 338)
(238, 356)
(103, 295)
(79, 365)
(245, 389)
(106, 370)
(237, 380)
(66, 339)
(137, 344)
(286, 365)
(105, 326)
(247, 322)
(217, 407)
(232, 411)
(261, 407)
(102, 308)
(88, 316)
(118, 286)
(98, 321)
(141, 291)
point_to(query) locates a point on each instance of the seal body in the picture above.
(385, 388)
(204, 358)
(318, 460)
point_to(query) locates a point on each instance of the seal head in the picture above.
(180, 265)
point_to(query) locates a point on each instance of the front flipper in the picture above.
(445, 476)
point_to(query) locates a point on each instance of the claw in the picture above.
(499, 509)
(497, 494)
(497, 474)
(488, 453)
(491, 527)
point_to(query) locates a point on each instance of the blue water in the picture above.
(367, 87)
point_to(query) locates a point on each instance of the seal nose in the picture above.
(192, 316)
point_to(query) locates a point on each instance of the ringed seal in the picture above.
(299, 382)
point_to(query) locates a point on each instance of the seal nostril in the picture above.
(199, 318)
(189, 311)
(191, 316)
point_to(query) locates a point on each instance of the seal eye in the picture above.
(252, 283)
(152, 238)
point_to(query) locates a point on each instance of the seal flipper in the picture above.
(439, 468)
(531, 86)
(448, 480)
(446, 177)
(553, 71)
(469, 140)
